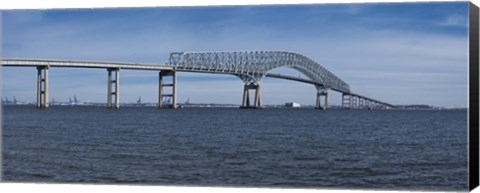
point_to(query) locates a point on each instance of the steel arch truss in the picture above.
(252, 66)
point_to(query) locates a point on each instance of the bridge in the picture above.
(249, 66)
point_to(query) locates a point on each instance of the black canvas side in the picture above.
(474, 97)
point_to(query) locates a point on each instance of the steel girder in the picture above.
(252, 66)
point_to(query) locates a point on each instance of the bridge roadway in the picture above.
(82, 64)
(352, 100)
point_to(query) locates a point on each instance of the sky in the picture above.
(407, 53)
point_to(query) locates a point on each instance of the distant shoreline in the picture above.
(205, 105)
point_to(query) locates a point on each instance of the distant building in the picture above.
(292, 104)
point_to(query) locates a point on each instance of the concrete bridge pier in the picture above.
(246, 95)
(361, 103)
(173, 86)
(42, 87)
(318, 105)
(346, 101)
(355, 102)
(350, 101)
(113, 90)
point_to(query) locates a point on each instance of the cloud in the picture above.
(22, 18)
(455, 20)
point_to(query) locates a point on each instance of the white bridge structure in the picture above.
(249, 66)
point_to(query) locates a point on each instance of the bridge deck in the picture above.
(82, 64)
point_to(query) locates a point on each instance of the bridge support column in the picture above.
(354, 101)
(346, 101)
(319, 103)
(42, 87)
(165, 97)
(361, 103)
(350, 101)
(246, 95)
(113, 90)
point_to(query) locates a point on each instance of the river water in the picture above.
(304, 148)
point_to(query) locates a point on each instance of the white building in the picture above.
(292, 104)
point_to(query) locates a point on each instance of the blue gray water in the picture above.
(375, 149)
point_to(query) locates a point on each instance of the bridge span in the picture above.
(250, 66)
